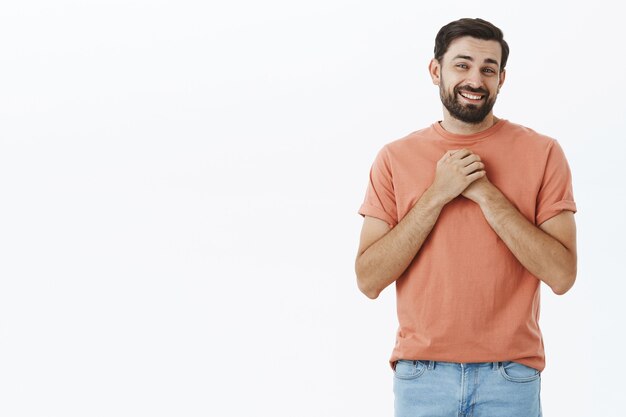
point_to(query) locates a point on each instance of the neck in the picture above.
(458, 127)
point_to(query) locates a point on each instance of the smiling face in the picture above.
(469, 78)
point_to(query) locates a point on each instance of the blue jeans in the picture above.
(482, 389)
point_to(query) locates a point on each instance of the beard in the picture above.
(468, 113)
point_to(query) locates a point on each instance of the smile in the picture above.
(470, 95)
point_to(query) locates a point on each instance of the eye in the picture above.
(464, 66)
(490, 70)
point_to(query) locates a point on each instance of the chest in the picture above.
(512, 169)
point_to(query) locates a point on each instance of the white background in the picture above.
(179, 186)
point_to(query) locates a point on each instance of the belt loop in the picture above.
(431, 365)
(495, 365)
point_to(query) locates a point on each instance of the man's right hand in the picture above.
(456, 170)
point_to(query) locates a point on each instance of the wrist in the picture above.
(490, 194)
(434, 199)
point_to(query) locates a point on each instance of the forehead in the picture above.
(479, 49)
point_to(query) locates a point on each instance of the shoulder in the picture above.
(528, 138)
(528, 133)
(409, 141)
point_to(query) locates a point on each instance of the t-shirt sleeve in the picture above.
(556, 193)
(380, 199)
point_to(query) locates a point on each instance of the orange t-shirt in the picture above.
(465, 297)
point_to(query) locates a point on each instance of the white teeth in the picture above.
(473, 97)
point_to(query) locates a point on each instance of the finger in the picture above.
(474, 166)
(476, 175)
(460, 153)
(450, 152)
(470, 159)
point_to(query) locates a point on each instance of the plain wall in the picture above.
(179, 186)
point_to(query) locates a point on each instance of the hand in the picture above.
(478, 189)
(456, 169)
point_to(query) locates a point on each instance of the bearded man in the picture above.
(467, 217)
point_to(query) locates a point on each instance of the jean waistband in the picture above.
(431, 364)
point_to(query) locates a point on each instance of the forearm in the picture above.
(385, 260)
(541, 254)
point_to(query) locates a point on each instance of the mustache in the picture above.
(471, 90)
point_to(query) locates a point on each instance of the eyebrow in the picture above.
(469, 58)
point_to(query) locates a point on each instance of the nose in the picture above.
(474, 79)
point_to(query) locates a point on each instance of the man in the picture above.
(467, 217)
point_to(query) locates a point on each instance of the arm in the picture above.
(548, 251)
(385, 254)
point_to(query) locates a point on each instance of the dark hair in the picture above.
(476, 28)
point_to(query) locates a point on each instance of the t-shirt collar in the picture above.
(455, 137)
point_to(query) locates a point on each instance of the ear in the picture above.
(434, 68)
(502, 77)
